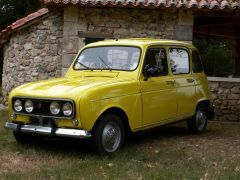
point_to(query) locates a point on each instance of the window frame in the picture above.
(189, 61)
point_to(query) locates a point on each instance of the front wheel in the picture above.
(108, 134)
(198, 123)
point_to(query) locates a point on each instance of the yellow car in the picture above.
(114, 87)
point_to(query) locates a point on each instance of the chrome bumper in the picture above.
(76, 133)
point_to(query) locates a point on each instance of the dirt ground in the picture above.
(166, 153)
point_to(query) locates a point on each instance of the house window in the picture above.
(217, 56)
(89, 40)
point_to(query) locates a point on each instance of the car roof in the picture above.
(141, 42)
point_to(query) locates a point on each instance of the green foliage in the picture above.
(11, 10)
(217, 57)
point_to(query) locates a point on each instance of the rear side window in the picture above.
(179, 60)
(196, 62)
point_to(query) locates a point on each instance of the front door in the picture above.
(184, 81)
(158, 91)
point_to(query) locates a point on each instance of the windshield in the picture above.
(108, 57)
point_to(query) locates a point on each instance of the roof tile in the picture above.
(199, 4)
(21, 22)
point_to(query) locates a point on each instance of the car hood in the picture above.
(64, 87)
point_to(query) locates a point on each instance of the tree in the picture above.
(11, 10)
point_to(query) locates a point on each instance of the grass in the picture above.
(167, 153)
(0, 94)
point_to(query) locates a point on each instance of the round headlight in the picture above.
(18, 105)
(67, 109)
(55, 108)
(28, 106)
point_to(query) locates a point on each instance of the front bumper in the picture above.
(75, 133)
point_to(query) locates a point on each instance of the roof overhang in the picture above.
(209, 5)
(22, 23)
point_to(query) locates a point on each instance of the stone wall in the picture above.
(33, 53)
(121, 23)
(226, 97)
(47, 48)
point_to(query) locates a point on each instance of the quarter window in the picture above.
(179, 61)
(196, 62)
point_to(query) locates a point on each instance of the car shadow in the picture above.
(71, 146)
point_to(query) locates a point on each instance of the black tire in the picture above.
(198, 123)
(23, 138)
(108, 134)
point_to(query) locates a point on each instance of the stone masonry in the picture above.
(33, 53)
(47, 48)
(80, 23)
(226, 97)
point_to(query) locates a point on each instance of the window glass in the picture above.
(156, 58)
(196, 62)
(179, 61)
(108, 57)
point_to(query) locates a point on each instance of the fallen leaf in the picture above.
(214, 163)
(237, 169)
(149, 166)
(110, 164)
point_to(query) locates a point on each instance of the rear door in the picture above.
(201, 82)
(184, 81)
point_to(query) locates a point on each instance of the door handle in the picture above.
(170, 82)
(190, 80)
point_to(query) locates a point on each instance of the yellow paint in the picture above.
(146, 103)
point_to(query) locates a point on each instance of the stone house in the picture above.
(44, 44)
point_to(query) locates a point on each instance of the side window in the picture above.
(196, 62)
(156, 59)
(179, 61)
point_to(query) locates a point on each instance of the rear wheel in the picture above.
(198, 123)
(108, 134)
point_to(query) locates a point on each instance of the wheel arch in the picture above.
(205, 102)
(120, 113)
(210, 107)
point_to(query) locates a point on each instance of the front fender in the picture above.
(127, 97)
(130, 104)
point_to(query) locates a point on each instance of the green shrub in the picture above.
(217, 57)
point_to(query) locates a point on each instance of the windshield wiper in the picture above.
(84, 66)
(104, 63)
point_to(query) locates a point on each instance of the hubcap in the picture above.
(111, 137)
(201, 119)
